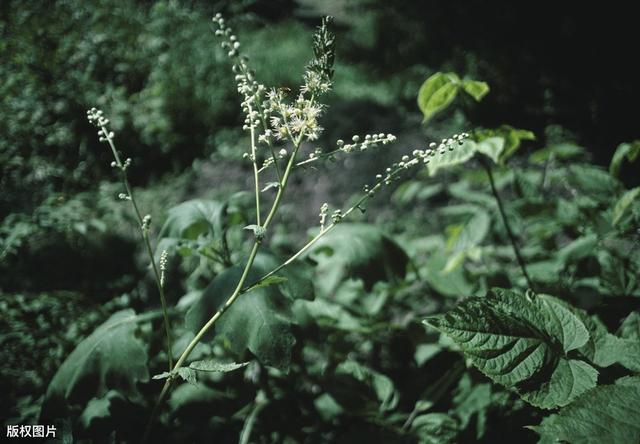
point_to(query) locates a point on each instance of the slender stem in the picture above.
(254, 161)
(145, 238)
(507, 226)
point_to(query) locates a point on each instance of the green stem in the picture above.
(507, 226)
(254, 161)
(145, 239)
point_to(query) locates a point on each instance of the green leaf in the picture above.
(216, 366)
(259, 320)
(99, 408)
(512, 139)
(623, 203)
(606, 414)
(257, 230)
(435, 428)
(630, 151)
(630, 327)
(359, 251)
(188, 375)
(271, 280)
(475, 89)
(381, 385)
(111, 358)
(522, 343)
(193, 218)
(491, 147)
(449, 282)
(459, 155)
(437, 93)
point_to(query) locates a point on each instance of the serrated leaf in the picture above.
(623, 203)
(437, 93)
(188, 374)
(460, 154)
(216, 366)
(522, 343)
(356, 250)
(606, 414)
(475, 89)
(111, 358)
(260, 320)
(630, 151)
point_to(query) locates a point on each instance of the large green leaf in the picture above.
(437, 92)
(522, 342)
(111, 358)
(260, 320)
(356, 250)
(606, 414)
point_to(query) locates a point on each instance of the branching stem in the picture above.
(145, 238)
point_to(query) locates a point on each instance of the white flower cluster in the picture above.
(96, 118)
(295, 121)
(281, 120)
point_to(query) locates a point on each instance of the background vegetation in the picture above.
(363, 365)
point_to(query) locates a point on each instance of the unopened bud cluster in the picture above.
(96, 118)
(164, 256)
(418, 156)
(370, 140)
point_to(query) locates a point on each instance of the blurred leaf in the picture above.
(607, 413)
(381, 385)
(356, 250)
(193, 218)
(630, 151)
(437, 93)
(111, 358)
(491, 147)
(475, 89)
(435, 428)
(460, 154)
(522, 343)
(623, 203)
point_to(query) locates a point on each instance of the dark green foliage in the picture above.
(331, 348)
